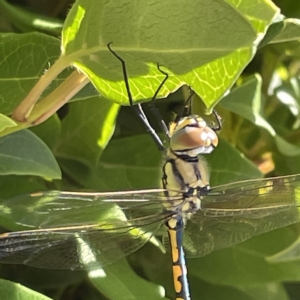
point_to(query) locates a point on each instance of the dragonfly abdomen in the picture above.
(175, 230)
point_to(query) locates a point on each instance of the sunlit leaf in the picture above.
(208, 54)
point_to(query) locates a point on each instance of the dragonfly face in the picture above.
(192, 136)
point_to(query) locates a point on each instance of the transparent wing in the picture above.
(78, 230)
(90, 230)
(55, 208)
(235, 212)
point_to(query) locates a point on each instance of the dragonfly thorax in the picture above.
(187, 180)
(185, 176)
(191, 136)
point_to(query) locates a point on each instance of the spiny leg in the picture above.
(217, 116)
(187, 109)
(154, 109)
(138, 108)
(187, 112)
(219, 121)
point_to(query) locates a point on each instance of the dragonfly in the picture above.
(89, 230)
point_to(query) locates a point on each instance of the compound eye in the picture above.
(193, 137)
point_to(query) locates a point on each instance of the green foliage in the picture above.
(130, 285)
(11, 290)
(204, 44)
(23, 153)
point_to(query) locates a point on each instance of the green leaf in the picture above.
(139, 155)
(6, 122)
(245, 264)
(290, 32)
(205, 291)
(286, 148)
(259, 15)
(15, 291)
(119, 279)
(291, 253)
(148, 260)
(48, 131)
(20, 74)
(208, 53)
(274, 29)
(288, 93)
(22, 153)
(287, 165)
(228, 165)
(17, 185)
(20, 71)
(270, 291)
(86, 130)
(245, 101)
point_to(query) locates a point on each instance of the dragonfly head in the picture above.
(192, 135)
